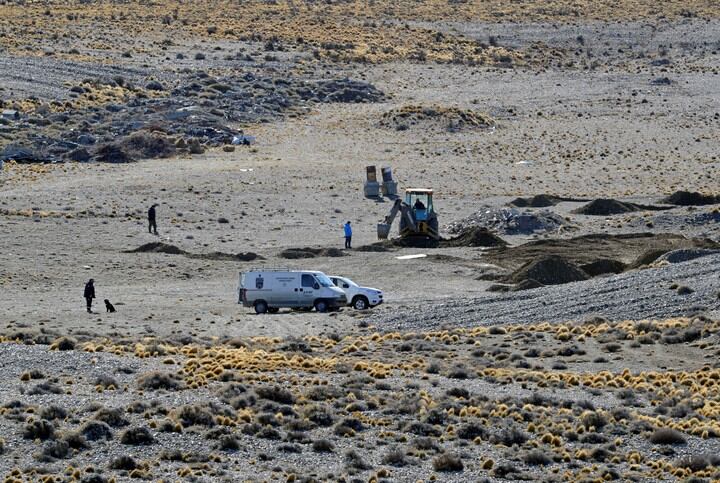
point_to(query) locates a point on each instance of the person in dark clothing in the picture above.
(419, 205)
(89, 294)
(348, 235)
(152, 224)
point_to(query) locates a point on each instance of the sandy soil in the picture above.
(570, 99)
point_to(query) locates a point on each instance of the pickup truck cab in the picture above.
(360, 298)
(268, 290)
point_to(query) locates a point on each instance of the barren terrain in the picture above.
(567, 337)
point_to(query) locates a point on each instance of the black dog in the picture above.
(110, 307)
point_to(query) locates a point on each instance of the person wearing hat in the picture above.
(348, 235)
(89, 294)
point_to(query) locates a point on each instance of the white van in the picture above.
(269, 290)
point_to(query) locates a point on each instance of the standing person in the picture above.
(348, 235)
(89, 294)
(152, 224)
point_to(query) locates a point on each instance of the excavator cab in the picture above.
(420, 201)
(418, 217)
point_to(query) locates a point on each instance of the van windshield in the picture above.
(324, 280)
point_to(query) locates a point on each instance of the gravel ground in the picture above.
(637, 295)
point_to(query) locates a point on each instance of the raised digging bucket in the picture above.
(383, 230)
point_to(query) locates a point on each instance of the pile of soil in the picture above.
(307, 252)
(428, 117)
(588, 249)
(647, 257)
(474, 237)
(690, 198)
(374, 247)
(603, 266)
(550, 270)
(160, 247)
(540, 201)
(230, 257)
(609, 206)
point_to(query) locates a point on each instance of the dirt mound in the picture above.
(609, 206)
(427, 117)
(625, 248)
(603, 266)
(374, 247)
(690, 198)
(307, 252)
(474, 237)
(540, 201)
(550, 270)
(647, 257)
(230, 257)
(603, 206)
(158, 247)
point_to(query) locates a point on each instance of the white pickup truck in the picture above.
(360, 298)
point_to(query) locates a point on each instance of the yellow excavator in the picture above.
(418, 218)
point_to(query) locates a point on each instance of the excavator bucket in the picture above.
(383, 231)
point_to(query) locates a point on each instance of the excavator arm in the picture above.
(406, 213)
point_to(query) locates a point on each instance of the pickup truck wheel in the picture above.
(321, 306)
(273, 310)
(261, 307)
(360, 303)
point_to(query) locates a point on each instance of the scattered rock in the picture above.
(511, 221)
(154, 86)
(441, 118)
(111, 153)
(661, 81)
(80, 155)
(21, 154)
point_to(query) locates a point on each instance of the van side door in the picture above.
(307, 288)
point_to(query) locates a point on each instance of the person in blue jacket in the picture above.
(348, 235)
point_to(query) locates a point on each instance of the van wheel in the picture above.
(321, 306)
(360, 303)
(273, 310)
(261, 307)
